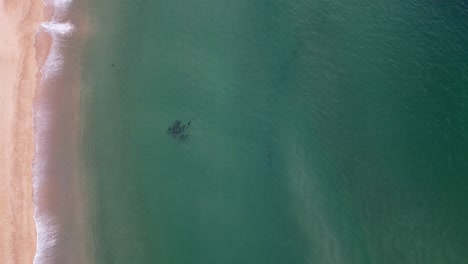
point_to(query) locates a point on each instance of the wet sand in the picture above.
(19, 20)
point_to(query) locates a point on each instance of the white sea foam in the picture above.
(47, 223)
(46, 226)
(59, 33)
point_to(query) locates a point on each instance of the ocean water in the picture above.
(320, 131)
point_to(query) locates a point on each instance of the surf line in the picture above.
(54, 124)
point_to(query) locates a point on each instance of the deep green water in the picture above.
(321, 131)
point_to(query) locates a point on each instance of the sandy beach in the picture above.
(19, 20)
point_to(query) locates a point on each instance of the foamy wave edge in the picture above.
(59, 29)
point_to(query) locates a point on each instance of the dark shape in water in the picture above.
(177, 130)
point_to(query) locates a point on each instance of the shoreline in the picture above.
(19, 21)
(60, 202)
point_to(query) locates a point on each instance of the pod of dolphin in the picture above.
(178, 130)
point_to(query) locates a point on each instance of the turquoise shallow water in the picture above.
(321, 131)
